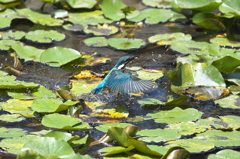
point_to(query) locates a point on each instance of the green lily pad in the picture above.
(151, 16)
(14, 145)
(61, 135)
(48, 105)
(224, 154)
(6, 44)
(126, 44)
(220, 138)
(39, 18)
(73, 27)
(43, 92)
(11, 117)
(49, 146)
(16, 35)
(11, 132)
(101, 30)
(230, 8)
(156, 102)
(113, 9)
(168, 39)
(27, 53)
(58, 56)
(82, 4)
(42, 36)
(232, 101)
(192, 145)
(60, 13)
(187, 128)
(158, 3)
(223, 64)
(175, 115)
(159, 135)
(80, 87)
(106, 126)
(208, 21)
(96, 42)
(18, 106)
(19, 94)
(59, 121)
(225, 42)
(5, 23)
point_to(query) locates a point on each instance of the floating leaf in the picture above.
(232, 101)
(48, 105)
(223, 64)
(6, 44)
(82, 4)
(230, 8)
(106, 126)
(14, 145)
(58, 56)
(17, 106)
(28, 53)
(101, 30)
(193, 145)
(158, 135)
(60, 13)
(43, 92)
(152, 16)
(231, 121)
(96, 42)
(158, 3)
(11, 117)
(11, 132)
(113, 9)
(42, 36)
(206, 93)
(80, 87)
(10, 35)
(225, 42)
(168, 39)
(126, 44)
(225, 154)
(5, 23)
(73, 27)
(220, 138)
(64, 122)
(175, 115)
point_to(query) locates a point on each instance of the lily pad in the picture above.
(28, 53)
(101, 30)
(11, 118)
(17, 106)
(175, 115)
(13, 35)
(126, 44)
(113, 9)
(96, 42)
(60, 13)
(221, 41)
(14, 145)
(230, 8)
(192, 145)
(225, 154)
(6, 44)
(58, 56)
(43, 92)
(159, 135)
(151, 16)
(48, 105)
(168, 39)
(11, 132)
(42, 36)
(106, 126)
(232, 101)
(82, 3)
(158, 3)
(5, 23)
(59, 121)
(220, 138)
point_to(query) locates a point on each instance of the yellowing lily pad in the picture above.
(80, 87)
(18, 107)
(206, 93)
(168, 39)
(11, 117)
(42, 36)
(126, 44)
(232, 101)
(102, 30)
(91, 60)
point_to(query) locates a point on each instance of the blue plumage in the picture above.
(119, 81)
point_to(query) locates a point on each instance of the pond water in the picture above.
(150, 57)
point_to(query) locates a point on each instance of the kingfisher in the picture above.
(122, 82)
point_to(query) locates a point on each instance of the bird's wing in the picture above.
(127, 83)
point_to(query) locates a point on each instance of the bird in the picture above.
(117, 80)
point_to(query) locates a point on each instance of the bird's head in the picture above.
(123, 61)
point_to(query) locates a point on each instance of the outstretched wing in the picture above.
(127, 83)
